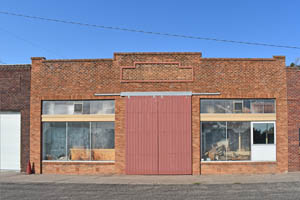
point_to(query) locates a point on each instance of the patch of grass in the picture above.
(197, 183)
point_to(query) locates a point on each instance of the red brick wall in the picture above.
(233, 78)
(78, 168)
(15, 96)
(293, 95)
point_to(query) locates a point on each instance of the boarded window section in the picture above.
(79, 141)
(226, 141)
(237, 106)
(78, 107)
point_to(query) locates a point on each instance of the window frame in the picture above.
(251, 144)
(263, 122)
(233, 101)
(67, 153)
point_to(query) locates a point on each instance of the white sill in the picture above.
(238, 161)
(80, 161)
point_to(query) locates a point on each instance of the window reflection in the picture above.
(222, 141)
(78, 107)
(239, 143)
(237, 106)
(214, 141)
(79, 141)
(263, 133)
(54, 141)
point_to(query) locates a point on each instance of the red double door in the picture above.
(158, 135)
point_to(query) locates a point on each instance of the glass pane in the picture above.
(257, 106)
(102, 107)
(269, 106)
(86, 107)
(79, 140)
(54, 141)
(263, 133)
(109, 107)
(78, 107)
(223, 106)
(237, 106)
(207, 106)
(246, 106)
(64, 108)
(259, 133)
(238, 135)
(48, 107)
(103, 141)
(270, 133)
(214, 142)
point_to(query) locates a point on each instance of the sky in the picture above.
(262, 21)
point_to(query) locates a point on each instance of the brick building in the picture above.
(14, 116)
(160, 113)
(293, 94)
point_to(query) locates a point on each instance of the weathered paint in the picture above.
(158, 133)
(174, 129)
(142, 136)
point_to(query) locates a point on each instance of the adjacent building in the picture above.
(14, 116)
(293, 94)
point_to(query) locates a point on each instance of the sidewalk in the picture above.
(14, 177)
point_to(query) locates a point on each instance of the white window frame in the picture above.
(259, 151)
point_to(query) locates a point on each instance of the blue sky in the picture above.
(268, 21)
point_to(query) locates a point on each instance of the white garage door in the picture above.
(10, 133)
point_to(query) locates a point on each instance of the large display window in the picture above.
(238, 141)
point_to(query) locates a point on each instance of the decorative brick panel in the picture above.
(233, 78)
(156, 72)
(15, 96)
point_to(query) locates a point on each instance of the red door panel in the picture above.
(158, 135)
(174, 129)
(141, 135)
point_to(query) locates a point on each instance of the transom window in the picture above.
(237, 106)
(78, 107)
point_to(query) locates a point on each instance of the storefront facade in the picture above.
(159, 113)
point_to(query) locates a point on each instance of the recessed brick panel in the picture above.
(154, 72)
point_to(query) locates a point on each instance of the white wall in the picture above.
(10, 141)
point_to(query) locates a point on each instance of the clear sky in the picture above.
(265, 21)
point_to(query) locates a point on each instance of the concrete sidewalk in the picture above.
(14, 177)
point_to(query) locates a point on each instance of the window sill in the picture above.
(247, 162)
